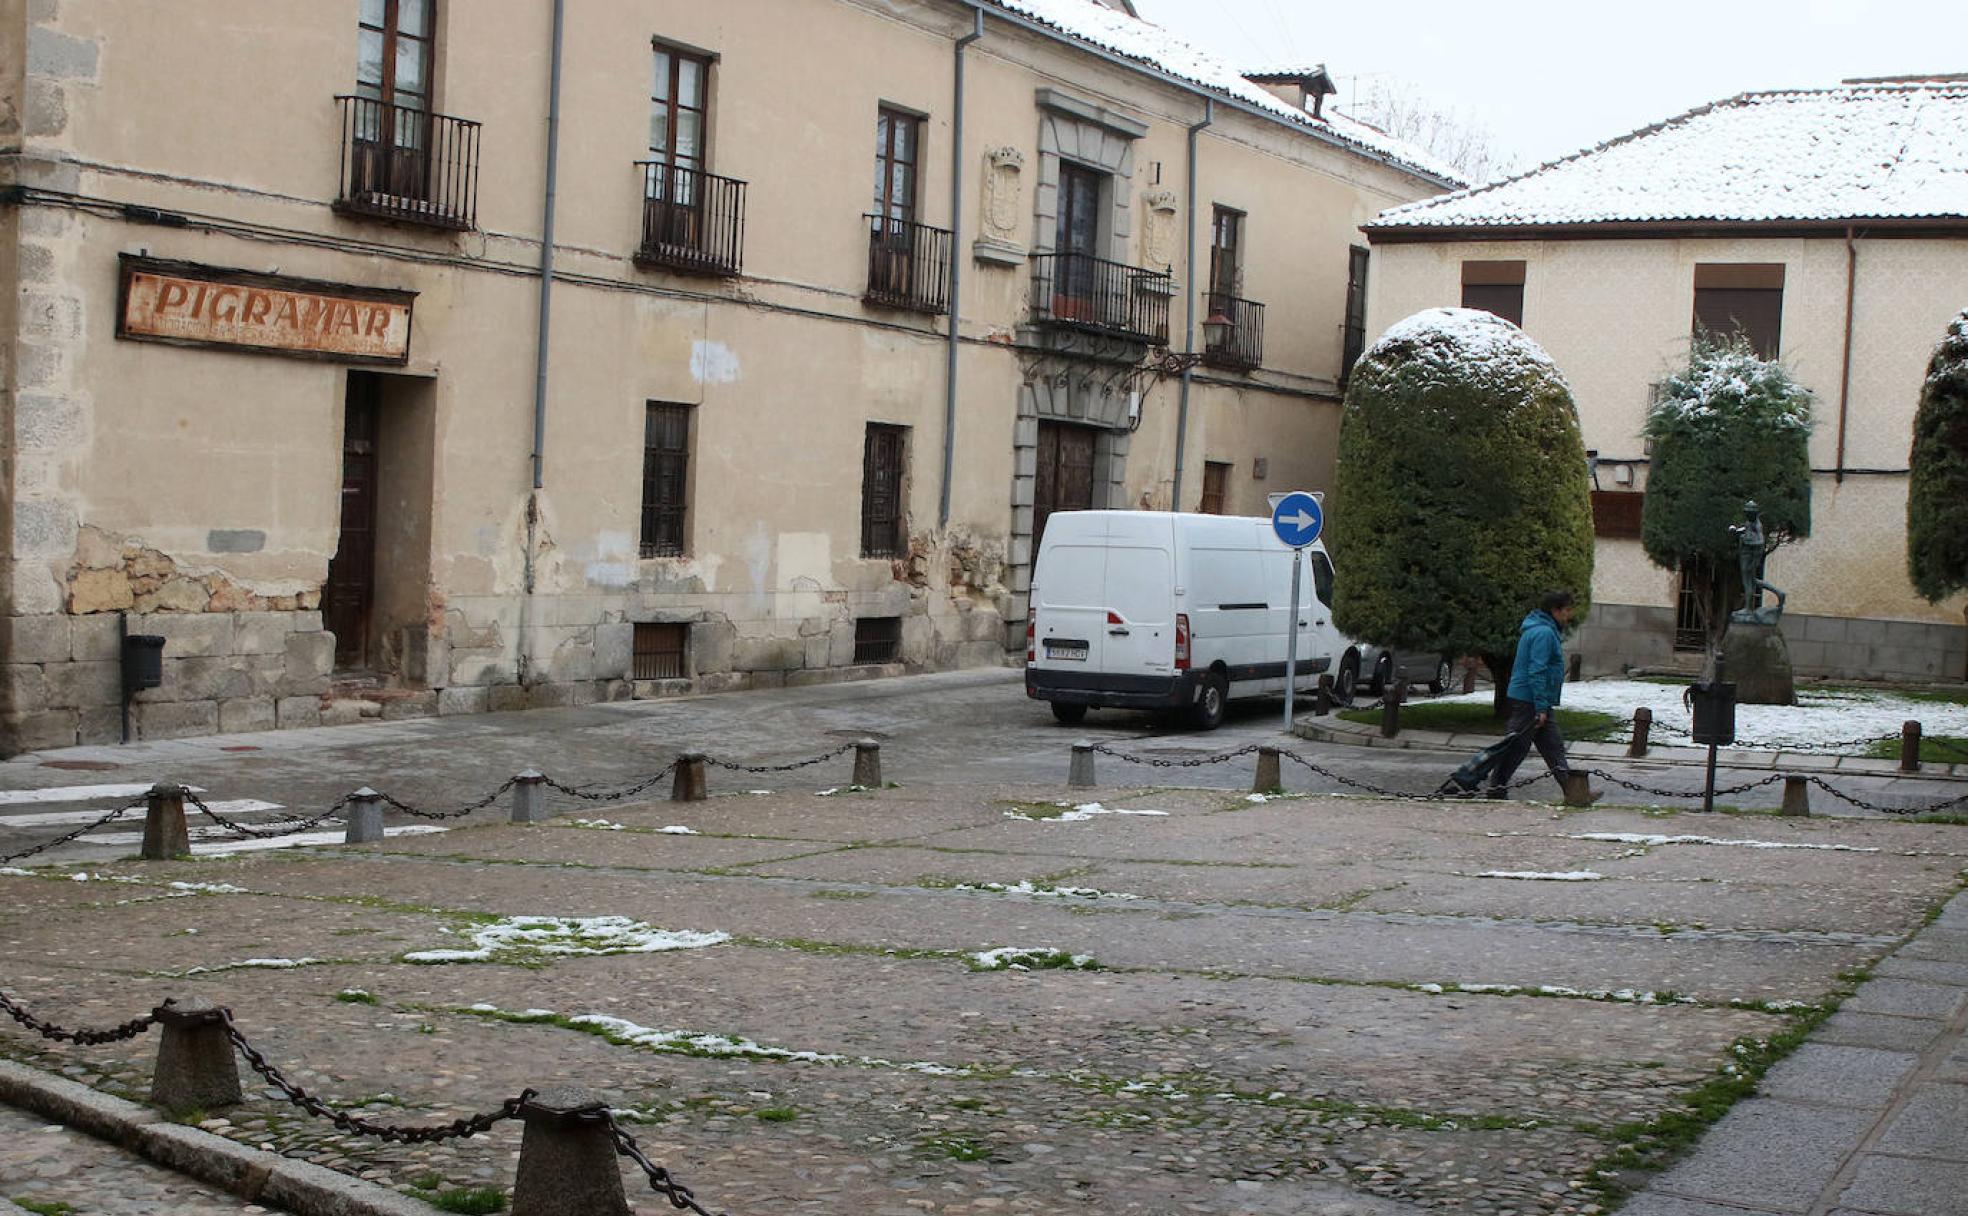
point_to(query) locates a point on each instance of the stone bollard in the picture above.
(165, 834)
(867, 764)
(1797, 796)
(1468, 678)
(567, 1158)
(1080, 775)
(1267, 779)
(1909, 748)
(1643, 725)
(1575, 669)
(688, 784)
(1322, 700)
(530, 797)
(365, 817)
(195, 1065)
(1390, 707)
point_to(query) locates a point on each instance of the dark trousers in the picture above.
(1550, 744)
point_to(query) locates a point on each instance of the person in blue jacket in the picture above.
(1537, 683)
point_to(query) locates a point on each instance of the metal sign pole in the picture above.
(1291, 638)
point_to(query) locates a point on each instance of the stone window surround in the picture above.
(1075, 129)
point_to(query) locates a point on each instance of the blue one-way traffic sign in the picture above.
(1297, 519)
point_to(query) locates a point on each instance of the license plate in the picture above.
(1076, 651)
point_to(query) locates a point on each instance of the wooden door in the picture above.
(1065, 474)
(350, 593)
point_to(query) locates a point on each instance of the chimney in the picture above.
(1301, 88)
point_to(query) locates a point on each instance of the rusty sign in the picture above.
(194, 305)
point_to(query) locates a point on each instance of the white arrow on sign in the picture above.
(1301, 521)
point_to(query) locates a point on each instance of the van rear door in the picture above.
(1069, 592)
(1140, 633)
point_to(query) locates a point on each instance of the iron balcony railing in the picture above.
(1079, 291)
(1243, 347)
(908, 265)
(402, 163)
(692, 221)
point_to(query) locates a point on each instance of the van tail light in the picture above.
(1182, 641)
(1031, 636)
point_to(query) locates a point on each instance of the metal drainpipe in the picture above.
(1188, 307)
(540, 350)
(1845, 375)
(956, 269)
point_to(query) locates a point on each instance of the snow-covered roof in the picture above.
(1153, 47)
(1855, 152)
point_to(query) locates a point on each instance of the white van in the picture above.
(1161, 610)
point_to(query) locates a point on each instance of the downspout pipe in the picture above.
(1188, 306)
(956, 269)
(1845, 374)
(541, 342)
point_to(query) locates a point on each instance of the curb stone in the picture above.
(255, 1175)
(1367, 734)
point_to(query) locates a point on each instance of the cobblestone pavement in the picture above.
(1223, 1005)
(47, 1164)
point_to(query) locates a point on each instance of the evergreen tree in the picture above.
(1461, 493)
(1727, 429)
(1937, 495)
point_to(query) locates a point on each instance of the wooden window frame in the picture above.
(1495, 287)
(1616, 513)
(669, 103)
(882, 522)
(1354, 321)
(391, 34)
(889, 165)
(1226, 268)
(666, 467)
(1216, 487)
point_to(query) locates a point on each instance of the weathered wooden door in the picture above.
(1064, 480)
(350, 593)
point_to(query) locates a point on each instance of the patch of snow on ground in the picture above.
(1025, 958)
(209, 888)
(599, 825)
(273, 963)
(677, 829)
(1026, 888)
(519, 936)
(1643, 838)
(711, 1044)
(1821, 716)
(1545, 876)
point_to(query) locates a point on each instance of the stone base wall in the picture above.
(223, 672)
(1617, 637)
(229, 672)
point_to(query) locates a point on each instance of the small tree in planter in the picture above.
(1937, 493)
(1461, 492)
(1727, 429)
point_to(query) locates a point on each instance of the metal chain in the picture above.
(627, 791)
(1657, 792)
(86, 1037)
(1152, 762)
(240, 829)
(458, 1128)
(660, 1180)
(779, 768)
(63, 839)
(1933, 809)
(456, 813)
(1385, 792)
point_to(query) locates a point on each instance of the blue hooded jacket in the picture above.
(1538, 675)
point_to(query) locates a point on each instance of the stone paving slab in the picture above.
(1225, 1056)
(1853, 1076)
(1930, 1124)
(1779, 1145)
(48, 1163)
(1905, 1186)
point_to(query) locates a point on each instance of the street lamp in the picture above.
(1217, 330)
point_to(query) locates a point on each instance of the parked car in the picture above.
(1379, 664)
(1171, 611)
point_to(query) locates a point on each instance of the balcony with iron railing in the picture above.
(693, 222)
(908, 265)
(402, 163)
(1079, 292)
(1233, 335)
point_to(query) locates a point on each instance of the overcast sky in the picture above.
(1548, 77)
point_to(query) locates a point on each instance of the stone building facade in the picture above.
(1830, 228)
(295, 381)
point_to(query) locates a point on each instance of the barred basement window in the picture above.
(659, 651)
(877, 639)
(882, 468)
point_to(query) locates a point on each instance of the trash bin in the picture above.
(143, 662)
(1714, 705)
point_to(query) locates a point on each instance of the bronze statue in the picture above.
(1750, 553)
